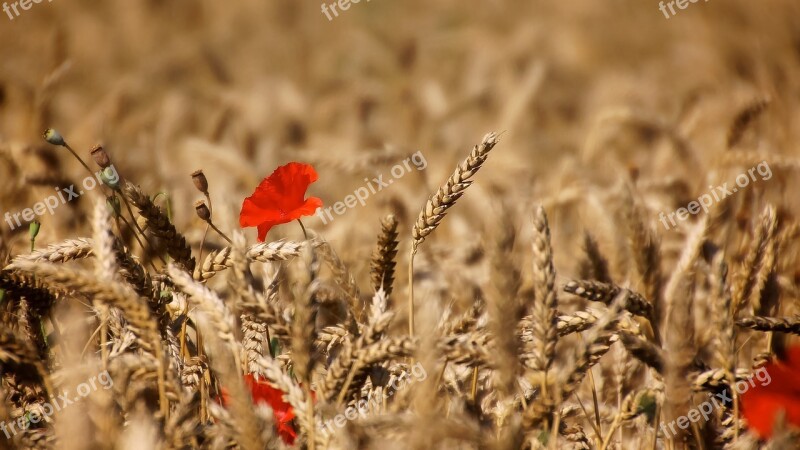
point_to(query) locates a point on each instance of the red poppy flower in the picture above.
(280, 199)
(778, 392)
(263, 392)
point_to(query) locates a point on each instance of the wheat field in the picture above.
(530, 279)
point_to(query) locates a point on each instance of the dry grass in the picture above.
(550, 310)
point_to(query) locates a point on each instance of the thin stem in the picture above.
(104, 337)
(85, 166)
(598, 434)
(57, 334)
(305, 234)
(269, 344)
(200, 254)
(310, 413)
(614, 425)
(95, 334)
(411, 294)
(139, 229)
(220, 232)
(182, 336)
(595, 401)
(136, 236)
(655, 427)
(162, 380)
(78, 158)
(554, 432)
(210, 207)
(350, 374)
(204, 415)
(474, 387)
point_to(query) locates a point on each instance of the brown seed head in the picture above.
(202, 210)
(200, 181)
(100, 156)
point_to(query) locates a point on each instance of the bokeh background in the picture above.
(590, 96)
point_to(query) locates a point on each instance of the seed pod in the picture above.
(33, 229)
(202, 210)
(200, 181)
(54, 137)
(110, 177)
(113, 205)
(100, 156)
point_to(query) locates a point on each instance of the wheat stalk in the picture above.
(438, 204)
(113, 294)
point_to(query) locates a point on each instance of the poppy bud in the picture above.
(113, 204)
(33, 229)
(100, 156)
(200, 181)
(202, 210)
(110, 177)
(54, 137)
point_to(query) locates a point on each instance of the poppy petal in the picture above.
(286, 186)
(252, 215)
(762, 409)
(309, 208)
(293, 179)
(263, 229)
(279, 198)
(779, 390)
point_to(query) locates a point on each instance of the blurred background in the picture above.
(589, 95)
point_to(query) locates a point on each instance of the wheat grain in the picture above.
(383, 259)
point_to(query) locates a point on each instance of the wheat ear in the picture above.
(774, 324)
(105, 267)
(218, 261)
(748, 280)
(594, 266)
(113, 294)
(65, 251)
(743, 119)
(437, 206)
(383, 259)
(544, 326)
(161, 227)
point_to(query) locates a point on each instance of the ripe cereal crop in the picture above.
(505, 269)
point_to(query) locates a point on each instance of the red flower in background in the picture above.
(280, 198)
(262, 392)
(762, 404)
